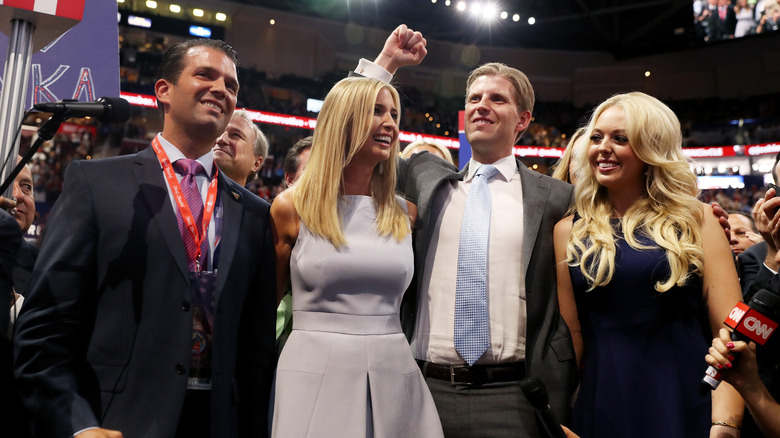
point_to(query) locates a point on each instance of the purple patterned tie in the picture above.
(188, 169)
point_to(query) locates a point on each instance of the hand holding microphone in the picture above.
(754, 322)
(536, 394)
(742, 373)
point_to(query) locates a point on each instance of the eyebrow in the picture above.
(212, 70)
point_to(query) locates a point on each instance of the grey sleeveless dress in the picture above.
(347, 369)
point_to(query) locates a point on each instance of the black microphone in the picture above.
(105, 109)
(536, 394)
(752, 322)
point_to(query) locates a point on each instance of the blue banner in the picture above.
(82, 64)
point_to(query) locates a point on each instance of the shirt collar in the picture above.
(506, 166)
(174, 154)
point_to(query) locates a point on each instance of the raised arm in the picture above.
(285, 224)
(403, 47)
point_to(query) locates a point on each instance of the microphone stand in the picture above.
(45, 133)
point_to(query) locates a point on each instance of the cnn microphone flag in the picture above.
(750, 323)
(62, 8)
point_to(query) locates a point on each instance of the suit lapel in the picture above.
(232, 218)
(152, 186)
(535, 192)
(426, 200)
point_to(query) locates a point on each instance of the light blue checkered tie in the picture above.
(472, 328)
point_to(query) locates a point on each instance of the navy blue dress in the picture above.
(644, 352)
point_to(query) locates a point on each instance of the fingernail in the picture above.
(728, 364)
(719, 366)
(730, 345)
(730, 357)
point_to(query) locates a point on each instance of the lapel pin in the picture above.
(235, 194)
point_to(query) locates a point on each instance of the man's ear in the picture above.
(523, 121)
(162, 89)
(257, 164)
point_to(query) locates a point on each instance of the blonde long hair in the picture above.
(343, 126)
(669, 213)
(577, 141)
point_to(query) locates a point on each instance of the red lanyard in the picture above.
(184, 209)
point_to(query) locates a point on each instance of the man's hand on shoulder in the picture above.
(403, 47)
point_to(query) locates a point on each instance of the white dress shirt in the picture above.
(434, 328)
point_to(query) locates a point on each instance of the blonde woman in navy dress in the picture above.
(344, 240)
(634, 285)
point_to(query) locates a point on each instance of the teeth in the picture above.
(482, 122)
(383, 138)
(211, 105)
(607, 165)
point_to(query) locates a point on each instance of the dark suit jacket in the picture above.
(750, 265)
(25, 262)
(549, 349)
(723, 29)
(105, 334)
(11, 414)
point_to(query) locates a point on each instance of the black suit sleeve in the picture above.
(257, 345)
(56, 319)
(10, 239)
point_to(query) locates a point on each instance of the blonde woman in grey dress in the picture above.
(344, 240)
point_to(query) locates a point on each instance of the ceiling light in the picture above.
(197, 12)
(461, 6)
(220, 16)
(272, 22)
(516, 18)
(504, 14)
(447, 2)
(647, 74)
(489, 12)
(175, 8)
(531, 20)
(151, 4)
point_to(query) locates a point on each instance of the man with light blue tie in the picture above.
(482, 313)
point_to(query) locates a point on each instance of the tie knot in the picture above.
(188, 167)
(486, 170)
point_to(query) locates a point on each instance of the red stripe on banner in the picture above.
(21, 4)
(70, 9)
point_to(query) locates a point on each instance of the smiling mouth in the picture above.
(482, 122)
(212, 106)
(223, 150)
(608, 165)
(384, 139)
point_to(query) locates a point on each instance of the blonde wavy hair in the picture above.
(343, 126)
(669, 213)
(577, 141)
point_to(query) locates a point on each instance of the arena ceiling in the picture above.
(625, 28)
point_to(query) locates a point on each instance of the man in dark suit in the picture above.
(527, 334)
(132, 327)
(24, 213)
(757, 265)
(723, 21)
